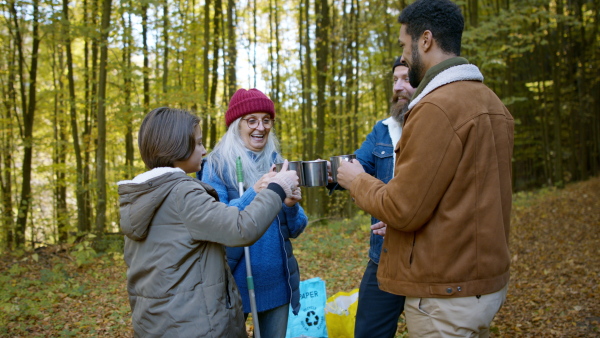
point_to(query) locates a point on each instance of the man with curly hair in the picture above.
(447, 208)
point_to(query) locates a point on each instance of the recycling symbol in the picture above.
(311, 318)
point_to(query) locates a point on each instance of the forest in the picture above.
(77, 78)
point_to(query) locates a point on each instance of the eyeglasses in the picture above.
(253, 123)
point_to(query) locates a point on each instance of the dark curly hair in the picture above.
(442, 17)
(167, 135)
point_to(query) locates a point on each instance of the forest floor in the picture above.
(70, 290)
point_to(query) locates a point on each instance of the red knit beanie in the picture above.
(248, 101)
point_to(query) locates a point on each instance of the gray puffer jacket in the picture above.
(178, 280)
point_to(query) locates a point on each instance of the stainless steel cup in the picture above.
(315, 173)
(336, 161)
(293, 165)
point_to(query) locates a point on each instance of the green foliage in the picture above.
(541, 57)
(83, 251)
(58, 296)
(110, 244)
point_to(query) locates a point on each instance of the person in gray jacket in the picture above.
(178, 280)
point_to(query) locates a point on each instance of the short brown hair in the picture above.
(167, 135)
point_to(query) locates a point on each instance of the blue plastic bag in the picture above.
(310, 321)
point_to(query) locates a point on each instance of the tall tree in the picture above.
(165, 77)
(307, 126)
(91, 65)
(80, 189)
(254, 39)
(206, 76)
(127, 87)
(146, 52)
(218, 12)
(59, 156)
(28, 115)
(101, 116)
(6, 146)
(557, 76)
(322, 51)
(231, 59)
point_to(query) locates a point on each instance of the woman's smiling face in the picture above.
(255, 139)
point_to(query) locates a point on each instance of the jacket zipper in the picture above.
(285, 258)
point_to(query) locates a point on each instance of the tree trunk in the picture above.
(558, 151)
(231, 49)
(215, 67)
(307, 89)
(101, 116)
(357, 44)
(303, 105)
(6, 134)
(146, 68)
(165, 77)
(90, 111)
(127, 86)
(28, 120)
(473, 13)
(205, 78)
(322, 50)
(79, 188)
(59, 156)
(254, 40)
(277, 91)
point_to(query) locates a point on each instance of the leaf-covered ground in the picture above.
(72, 291)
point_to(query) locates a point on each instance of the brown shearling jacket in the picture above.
(448, 206)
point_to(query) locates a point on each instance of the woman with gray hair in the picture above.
(250, 118)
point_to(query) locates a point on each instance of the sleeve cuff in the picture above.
(278, 189)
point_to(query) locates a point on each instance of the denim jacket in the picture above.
(376, 154)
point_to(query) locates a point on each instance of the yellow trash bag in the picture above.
(340, 314)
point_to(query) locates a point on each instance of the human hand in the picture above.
(295, 198)
(347, 172)
(329, 174)
(287, 179)
(329, 177)
(379, 228)
(264, 181)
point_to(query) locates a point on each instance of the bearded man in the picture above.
(378, 311)
(448, 206)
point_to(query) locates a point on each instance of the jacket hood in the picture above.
(141, 197)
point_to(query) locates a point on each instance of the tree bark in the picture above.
(82, 225)
(205, 78)
(127, 87)
(165, 77)
(231, 49)
(307, 89)
(101, 116)
(146, 67)
(6, 134)
(215, 67)
(59, 156)
(28, 120)
(558, 151)
(322, 51)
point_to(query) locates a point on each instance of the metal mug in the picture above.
(315, 173)
(293, 165)
(336, 161)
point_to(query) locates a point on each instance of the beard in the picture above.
(415, 71)
(399, 108)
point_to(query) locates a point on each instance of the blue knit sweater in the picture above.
(274, 267)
